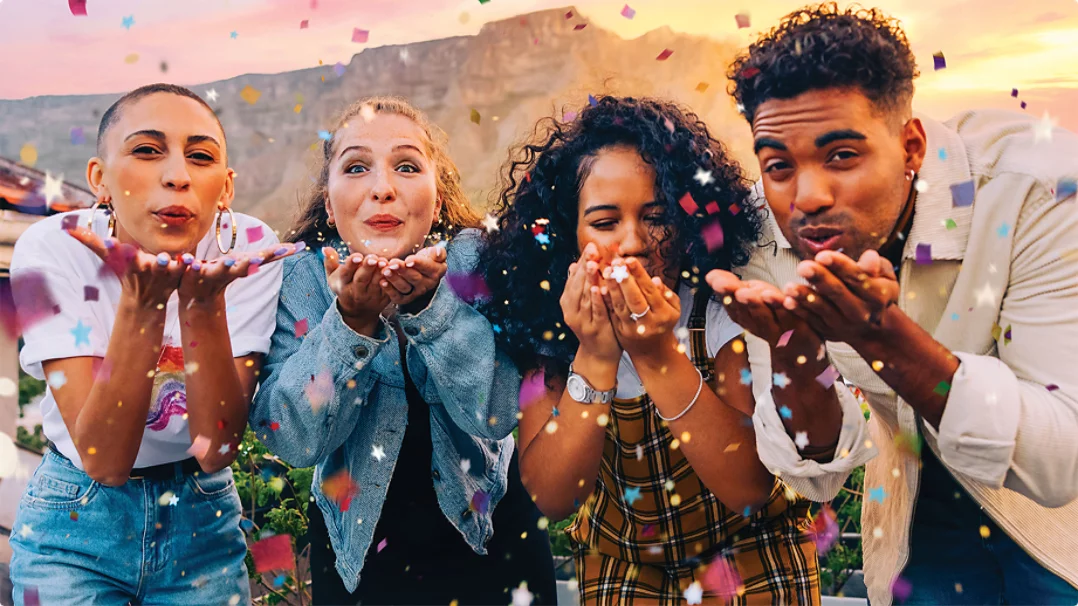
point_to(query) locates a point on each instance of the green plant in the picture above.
(35, 441)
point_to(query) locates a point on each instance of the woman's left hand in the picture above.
(205, 281)
(414, 277)
(644, 311)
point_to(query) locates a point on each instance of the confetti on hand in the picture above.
(273, 553)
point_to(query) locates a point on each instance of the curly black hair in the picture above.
(541, 185)
(821, 47)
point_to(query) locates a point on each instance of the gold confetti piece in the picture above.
(685, 437)
(877, 365)
(801, 359)
(958, 587)
(701, 87)
(28, 154)
(602, 419)
(675, 500)
(675, 444)
(551, 427)
(543, 523)
(464, 17)
(545, 285)
(250, 94)
(298, 108)
(732, 447)
(132, 58)
(91, 450)
(548, 335)
(475, 116)
(985, 532)
(738, 346)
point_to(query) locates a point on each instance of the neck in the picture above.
(896, 241)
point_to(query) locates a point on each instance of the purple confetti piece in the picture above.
(77, 136)
(480, 502)
(712, 235)
(254, 234)
(30, 595)
(628, 12)
(1023, 105)
(785, 338)
(592, 101)
(1014, 93)
(89, 293)
(338, 69)
(569, 117)
(828, 377)
(468, 287)
(69, 222)
(901, 589)
(1051, 387)
(938, 62)
(382, 545)
(25, 300)
(924, 254)
(1066, 188)
(962, 193)
(824, 530)
(531, 389)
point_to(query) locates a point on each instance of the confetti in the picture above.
(1049, 387)
(468, 287)
(785, 412)
(702, 87)
(703, 177)
(688, 204)
(827, 377)
(1023, 105)
(301, 328)
(378, 452)
(942, 388)
(273, 553)
(694, 593)
(742, 20)
(877, 494)
(663, 56)
(89, 293)
(962, 194)
(785, 338)
(1003, 230)
(938, 62)
(531, 389)
(339, 69)
(303, 24)
(619, 273)
(780, 380)
(25, 300)
(1042, 130)
(569, 15)
(234, 35)
(131, 59)
(1014, 93)
(746, 376)
(340, 488)
(569, 116)
(712, 207)
(712, 235)
(943, 153)
(325, 135)
(542, 238)
(480, 502)
(579, 26)
(923, 254)
(824, 530)
(382, 544)
(628, 12)
(128, 21)
(250, 94)
(475, 116)
(1066, 188)
(28, 154)
(78, 9)
(592, 101)
(77, 136)
(521, 595)
(319, 390)
(950, 224)
(8, 388)
(632, 495)
(254, 234)
(801, 439)
(81, 332)
(901, 588)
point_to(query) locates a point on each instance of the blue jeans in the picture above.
(952, 563)
(76, 541)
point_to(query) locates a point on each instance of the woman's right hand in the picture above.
(146, 280)
(585, 311)
(355, 282)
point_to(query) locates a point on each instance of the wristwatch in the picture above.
(581, 391)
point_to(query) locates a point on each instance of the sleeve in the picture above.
(318, 373)
(1012, 421)
(251, 302)
(454, 343)
(778, 452)
(49, 298)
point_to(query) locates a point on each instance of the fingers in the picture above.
(332, 260)
(723, 282)
(616, 297)
(820, 314)
(90, 240)
(653, 294)
(391, 279)
(829, 287)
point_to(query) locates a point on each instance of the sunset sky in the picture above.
(991, 46)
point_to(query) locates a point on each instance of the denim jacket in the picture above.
(335, 399)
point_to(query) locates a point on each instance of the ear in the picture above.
(329, 208)
(915, 144)
(437, 209)
(95, 177)
(229, 191)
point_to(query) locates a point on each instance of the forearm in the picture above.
(804, 404)
(109, 428)
(561, 463)
(217, 403)
(912, 363)
(717, 439)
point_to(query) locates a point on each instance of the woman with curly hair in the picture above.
(635, 411)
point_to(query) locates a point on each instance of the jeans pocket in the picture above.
(57, 484)
(212, 486)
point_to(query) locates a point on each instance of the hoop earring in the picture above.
(910, 174)
(331, 223)
(111, 213)
(232, 221)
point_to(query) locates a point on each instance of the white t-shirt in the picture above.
(84, 300)
(720, 330)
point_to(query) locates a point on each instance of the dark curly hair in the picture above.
(541, 186)
(821, 47)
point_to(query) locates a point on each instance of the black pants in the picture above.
(450, 570)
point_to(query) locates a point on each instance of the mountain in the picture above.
(512, 72)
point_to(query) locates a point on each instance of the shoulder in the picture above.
(252, 234)
(462, 252)
(47, 240)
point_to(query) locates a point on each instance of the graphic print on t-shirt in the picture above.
(168, 396)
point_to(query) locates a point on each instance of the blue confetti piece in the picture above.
(325, 135)
(1004, 230)
(1066, 188)
(497, 329)
(747, 512)
(954, 317)
(962, 193)
(338, 69)
(943, 153)
(234, 35)
(592, 101)
(877, 494)
(542, 238)
(277, 582)
(128, 21)
(77, 136)
(746, 376)
(632, 495)
(786, 413)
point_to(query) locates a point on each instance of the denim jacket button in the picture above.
(412, 331)
(436, 475)
(361, 351)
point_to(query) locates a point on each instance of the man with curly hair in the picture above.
(932, 265)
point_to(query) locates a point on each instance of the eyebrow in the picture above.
(160, 136)
(839, 135)
(602, 207)
(763, 142)
(364, 148)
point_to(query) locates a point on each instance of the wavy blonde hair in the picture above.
(456, 214)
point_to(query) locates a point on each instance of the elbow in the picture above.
(555, 509)
(215, 464)
(109, 477)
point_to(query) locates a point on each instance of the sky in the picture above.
(991, 46)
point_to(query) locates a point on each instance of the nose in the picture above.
(814, 193)
(382, 190)
(176, 175)
(636, 240)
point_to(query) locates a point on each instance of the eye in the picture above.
(201, 157)
(654, 218)
(604, 225)
(145, 150)
(776, 166)
(843, 155)
(355, 169)
(408, 168)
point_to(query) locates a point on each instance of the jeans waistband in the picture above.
(164, 471)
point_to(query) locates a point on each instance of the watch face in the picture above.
(575, 387)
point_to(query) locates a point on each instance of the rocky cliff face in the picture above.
(512, 72)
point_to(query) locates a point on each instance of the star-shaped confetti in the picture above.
(490, 222)
(81, 332)
(173, 500)
(212, 94)
(877, 494)
(1042, 130)
(234, 35)
(521, 595)
(985, 296)
(1003, 231)
(465, 465)
(632, 495)
(785, 412)
(801, 438)
(694, 594)
(53, 188)
(619, 273)
(542, 238)
(224, 448)
(128, 21)
(746, 376)
(378, 453)
(780, 379)
(325, 135)
(26, 531)
(703, 177)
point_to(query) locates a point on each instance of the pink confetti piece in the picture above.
(628, 12)
(901, 589)
(923, 254)
(78, 8)
(382, 545)
(721, 578)
(569, 117)
(480, 502)
(468, 287)
(273, 553)
(89, 293)
(742, 20)
(30, 595)
(734, 209)
(711, 207)
(303, 24)
(254, 234)
(69, 222)
(785, 338)
(579, 26)
(824, 530)
(301, 328)
(712, 235)
(1051, 387)
(688, 204)
(569, 15)
(102, 370)
(199, 447)
(828, 377)
(360, 36)
(319, 390)
(531, 389)
(663, 56)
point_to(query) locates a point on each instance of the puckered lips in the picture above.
(820, 237)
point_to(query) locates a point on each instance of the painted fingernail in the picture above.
(789, 303)
(229, 261)
(383, 284)
(410, 264)
(196, 266)
(256, 261)
(110, 244)
(356, 259)
(300, 246)
(280, 251)
(163, 259)
(387, 273)
(188, 258)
